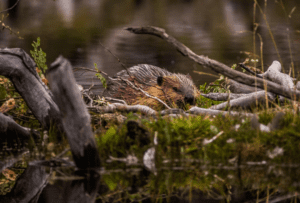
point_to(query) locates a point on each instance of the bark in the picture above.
(217, 66)
(17, 65)
(250, 71)
(222, 96)
(112, 108)
(239, 88)
(274, 73)
(11, 131)
(75, 117)
(212, 112)
(247, 101)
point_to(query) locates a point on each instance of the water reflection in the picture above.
(189, 181)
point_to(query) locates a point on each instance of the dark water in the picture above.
(219, 29)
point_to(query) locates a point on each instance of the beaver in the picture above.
(176, 90)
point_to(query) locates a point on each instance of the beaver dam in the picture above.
(150, 136)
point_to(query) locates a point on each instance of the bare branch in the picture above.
(215, 65)
(10, 7)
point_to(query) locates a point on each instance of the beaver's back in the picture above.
(173, 89)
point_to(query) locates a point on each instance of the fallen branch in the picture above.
(239, 88)
(222, 96)
(212, 112)
(217, 66)
(274, 73)
(246, 101)
(112, 108)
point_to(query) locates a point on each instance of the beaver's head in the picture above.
(178, 89)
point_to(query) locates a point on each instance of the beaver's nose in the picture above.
(189, 99)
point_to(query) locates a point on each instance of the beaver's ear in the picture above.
(188, 75)
(160, 80)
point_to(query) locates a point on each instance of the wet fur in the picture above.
(173, 89)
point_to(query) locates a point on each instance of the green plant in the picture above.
(98, 75)
(39, 56)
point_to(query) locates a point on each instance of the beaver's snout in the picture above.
(190, 99)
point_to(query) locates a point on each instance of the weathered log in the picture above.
(10, 131)
(247, 101)
(274, 74)
(75, 117)
(17, 65)
(217, 66)
(222, 96)
(212, 112)
(112, 108)
(239, 88)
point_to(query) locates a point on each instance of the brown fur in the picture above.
(174, 89)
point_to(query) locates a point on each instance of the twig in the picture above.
(91, 70)
(10, 7)
(206, 141)
(122, 64)
(250, 71)
(145, 93)
(116, 100)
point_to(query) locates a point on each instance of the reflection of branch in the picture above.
(215, 65)
(10, 7)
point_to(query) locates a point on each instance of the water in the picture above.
(76, 29)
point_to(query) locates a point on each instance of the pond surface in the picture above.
(221, 30)
(82, 31)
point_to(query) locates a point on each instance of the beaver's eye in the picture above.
(175, 89)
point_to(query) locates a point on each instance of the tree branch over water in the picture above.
(217, 66)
